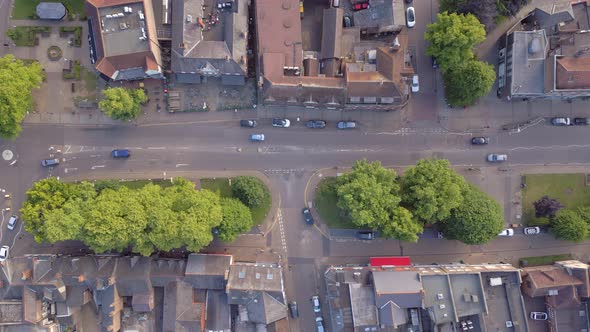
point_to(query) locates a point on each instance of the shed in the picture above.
(51, 10)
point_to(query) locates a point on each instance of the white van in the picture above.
(336, 3)
(415, 84)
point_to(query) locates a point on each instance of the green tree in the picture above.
(466, 83)
(250, 190)
(569, 225)
(452, 39)
(477, 220)
(431, 189)
(17, 81)
(370, 196)
(122, 104)
(237, 219)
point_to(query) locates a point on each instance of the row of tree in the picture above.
(566, 224)
(488, 12)
(429, 193)
(452, 39)
(109, 216)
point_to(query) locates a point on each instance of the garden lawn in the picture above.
(223, 187)
(25, 9)
(543, 260)
(25, 35)
(569, 189)
(325, 205)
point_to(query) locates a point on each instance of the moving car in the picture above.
(536, 315)
(410, 17)
(480, 140)
(497, 158)
(281, 123)
(320, 124)
(307, 216)
(360, 6)
(561, 121)
(365, 235)
(293, 309)
(49, 162)
(415, 84)
(257, 137)
(507, 232)
(12, 222)
(248, 123)
(315, 300)
(319, 324)
(346, 125)
(4, 253)
(581, 121)
(532, 230)
(124, 153)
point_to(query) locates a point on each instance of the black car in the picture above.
(320, 124)
(307, 216)
(293, 309)
(581, 121)
(366, 235)
(248, 123)
(480, 140)
(434, 63)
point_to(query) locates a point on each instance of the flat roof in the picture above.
(122, 30)
(362, 302)
(529, 50)
(255, 277)
(467, 294)
(438, 298)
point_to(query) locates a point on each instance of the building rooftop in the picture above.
(11, 312)
(50, 10)
(255, 277)
(529, 50)
(208, 264)
(124, 31)
(362, 300)
(467, 294)
(279, 30)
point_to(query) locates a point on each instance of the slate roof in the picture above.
(332, 33)
(265, 309)
(132, 275)
(207, 271)
(50, 10)
(181, 313)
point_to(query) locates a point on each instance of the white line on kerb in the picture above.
(96, 166)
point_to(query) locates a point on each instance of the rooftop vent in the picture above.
(257, 275)
(269, 276)
(189, 19)
(241, 275)
(440, 296)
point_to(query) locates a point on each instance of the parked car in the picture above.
(257, 137)
(12, 222)
(124, 153)
(497, 158)
(561, 121)
(365, 235)
(282, 123)
(307, 216)
(346, 22)
(581, 121)
(536, 315)
(360, 6)
(415, 83)
(434, 63)
(4, 253)
(346, 125)
(480, 140)
(224, 5)
(315, 300)
(410, 17)
(49, 162)
(293, 309)
(319, 124)
(408, 1)
(507, 232)
(248, 123)
(319, 324)
(532, 230)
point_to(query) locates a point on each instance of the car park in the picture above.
(532, 230)
(497, 158)
(415, 83)
(360, 6)
(281, 123)
(49, 162)
(561, 121)
(346, 125)
(319, 324)
(248, 123)
(507, 232)
(318, 124)
(12, 222)
(365, 235)
(315, 300)
(4, 253)
(480, 140)
(257, 137)
(581, 121)
(117, 153)
(293, 309)
(537, 315)
(307, 216)
(410, 17)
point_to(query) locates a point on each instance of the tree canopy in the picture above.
(452, 39)
(431, 189)
(477, 220)
(17, 81)
(466, 83)
(370, 196)
(250, 190)
(546, 207)
(570, 225)
(122, 104)
(237, 219)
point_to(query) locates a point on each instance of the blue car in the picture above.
(120, 153)
(257, 137)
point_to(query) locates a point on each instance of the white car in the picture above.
(315, 300)
(415, 84)
(4, 253)
(410, 17)
(532, 230)
(12, 222)
(281, 123)
(507, 232)
(497, 158)
(536, 315)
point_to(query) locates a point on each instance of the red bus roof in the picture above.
(390, 261)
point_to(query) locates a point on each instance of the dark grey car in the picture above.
(49, 162)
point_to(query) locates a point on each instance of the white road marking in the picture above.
(68, 147)
(96, 166)
(94, 155)
(70, 170)
(559, 147)
(156, 148)
(181, 165)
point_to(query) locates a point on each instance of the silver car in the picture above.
(497, 158)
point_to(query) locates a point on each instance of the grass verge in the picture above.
(325, 205)
(569, 189)
(543, 260)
